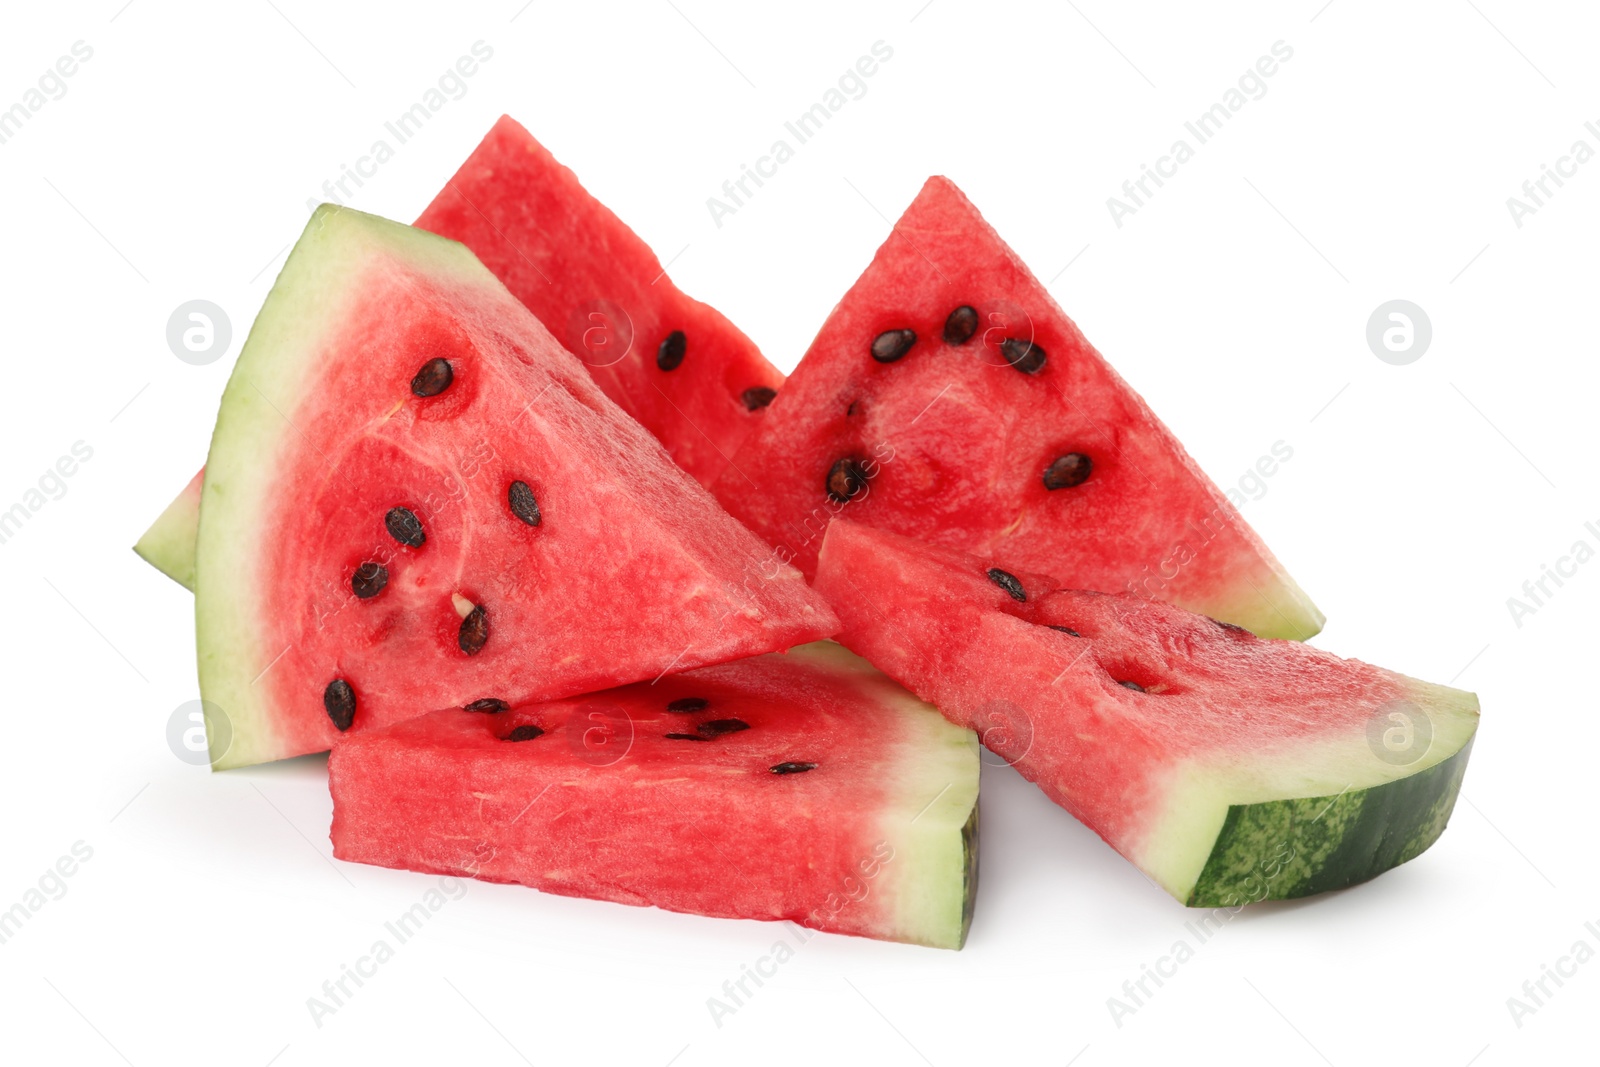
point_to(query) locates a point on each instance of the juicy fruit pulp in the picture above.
(1227, 767)
(812, 787)
(677, 365)
(949, 398)
(365, 553)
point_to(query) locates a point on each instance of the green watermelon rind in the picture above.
(323, 271)
(1285, 847)
(930, 817)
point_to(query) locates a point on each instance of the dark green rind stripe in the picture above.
(1282, 849)
(969, 894)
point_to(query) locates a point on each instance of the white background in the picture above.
(1419, 498)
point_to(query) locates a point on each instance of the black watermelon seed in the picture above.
(1026, 356)
(404, 526)
(523, 505)
(1135, 686)
(961, 324)
(845, 479)
(434, 377)
(369, 579)
(524, 733)
(1067, 630)
(671, 351)
(1067, 471)
(683, 737)
(1008, 581)
(491, 705)
(792, 768)
(1232, 626)
(891, 345)
(717, 727)
(339, 701)
(688, 704)
(757, 397)
(474, 631)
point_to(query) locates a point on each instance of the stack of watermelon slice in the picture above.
(549, 555)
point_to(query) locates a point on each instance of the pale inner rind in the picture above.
(1198, 793)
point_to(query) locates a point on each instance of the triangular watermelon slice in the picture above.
(949, 398)
(805, 787)
(677, 365)
(415, 498)
(1229, 768)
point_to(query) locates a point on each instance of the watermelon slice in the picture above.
(804, 786)
(168, 545)
(1229, 768)
(675, 364)
(415, 498)
(949, 398)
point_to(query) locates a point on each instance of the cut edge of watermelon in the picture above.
(930, 818)
(168, 545)
(1223, 827)
(1244, 582)
(1311, 816)
(908, 872)
(324, 267)
(1273, 606)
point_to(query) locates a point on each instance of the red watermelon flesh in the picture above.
(677, 365)
(949, 398)
(601, 291)
(804, 786)
(1229, 768)
(415, 498)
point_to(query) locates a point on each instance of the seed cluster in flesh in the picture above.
(848, 476)
(370, 578)
(710, 729)
(670, 354)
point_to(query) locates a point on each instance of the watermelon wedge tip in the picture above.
(679, 366)
(415, 498)
(689, 375)
(949, 398)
